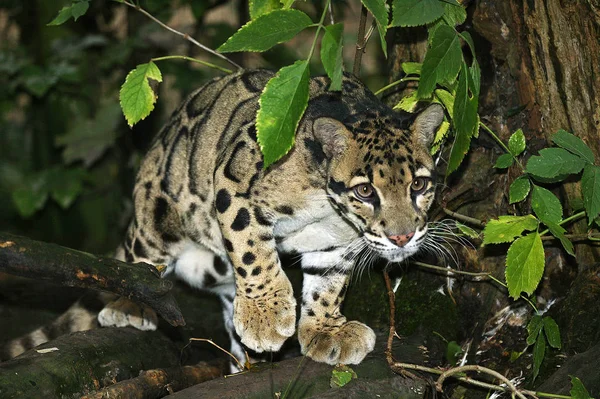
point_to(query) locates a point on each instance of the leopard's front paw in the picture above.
(124, 312)
(264, 323)
(347, 343)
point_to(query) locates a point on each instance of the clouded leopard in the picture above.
(359, 179)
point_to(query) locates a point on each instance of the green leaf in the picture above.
(466, 230)
(75, 10)
(539, 351)
(331, 54)
(554, 163)
(464, 119)
(519, 189)
(412, 68)
(282, 104)
(578, 391)
(440, 135)
(573, 144)
(516, 142)
(552, 332)
(261, 7)
(442, 61)
(266, 31)
(408, 103)
(65, 185)
(341, 375)
(545, 205)
(32, 195)
(534, 327)
(454, 13)
(590, 187)
(416, 12)
(136, 96)
(507, 227)
(445, 98)
(558, 232)
(504, 161)
(453, 352)
(380, 13)
(524, 265)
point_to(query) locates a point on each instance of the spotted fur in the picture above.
(206, 208)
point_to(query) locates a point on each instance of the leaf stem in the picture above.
(501, 143)
(571, 218)
(396, 83)
(184, 57)
(184, 35)
(319, 27)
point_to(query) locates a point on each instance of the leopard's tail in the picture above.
(82, 315)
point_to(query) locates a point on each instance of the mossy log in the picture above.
(43, 261)
(82, 362)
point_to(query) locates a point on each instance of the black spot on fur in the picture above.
(209, 280)
(250, 243)
(220, 266)
(315, 149)
(248, 258)
(286, 210)
(315, 296)
(223, 200)
(241, 272)
(324, 303)
(139, 249)
(242, 220)
(228, 245)
(337, 187)
(256, 271)
(160, 210)
(310, 312)
(260, 217)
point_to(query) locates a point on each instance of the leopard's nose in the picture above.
(401, 239)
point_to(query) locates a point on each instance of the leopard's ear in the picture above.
(427, 123)
(332, 134)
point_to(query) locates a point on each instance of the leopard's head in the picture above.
(381, 176)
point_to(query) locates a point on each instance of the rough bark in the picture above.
(85, 361)
(38, 260)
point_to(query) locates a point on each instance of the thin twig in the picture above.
(360, 41)
(184, 35)
(478, 276)
(450, 373)
(464, 218)
(210, 341)
(184, 57)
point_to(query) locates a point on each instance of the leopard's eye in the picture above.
(364, 191)
(418, 184)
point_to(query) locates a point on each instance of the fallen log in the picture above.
(24, 257)
(86, 361)
(155, 384)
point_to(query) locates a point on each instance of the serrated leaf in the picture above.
(554, 163)
(408, 103)
(524, 265)
(516, 142)
(533, 328)
(504, 161)
(331, 54)
(136, 96)
(412, 68)
(519, 189)
(475, 78)
(442, 61)
(341, 375)
(454, 13)
(558, 232)
(545, 205)
(380, 13)
(445, 98)
(578, 391)
(261, 7)
(590, 187)
(79, 9)
(266, 31)
(465, 121)
(507, 228)
(539, 351)
(552, 332)
(466, 230)
(440, 135)
(416, 12)
(573, 144)
(75, 10)
(282, 104)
